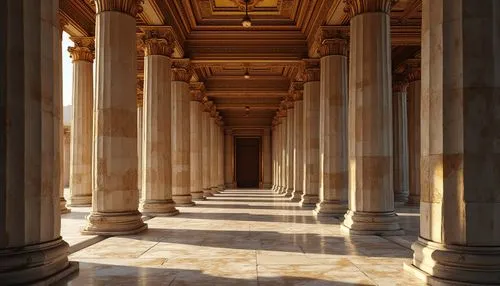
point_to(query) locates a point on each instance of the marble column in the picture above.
(213, 151)
(284, 153)
(156, 198)
(414, 154)
(181, 190)
(459, 241)
(82, 55)
(32, 250)
(290, 162)
(66, 155)
(266, 159)
(371, 195)
(114, 157)
(220, 158)
(333, 125)
(400, 140)
(205, 148)
(297, 89)
(311, 134)
(229, 158)
(140, 134)
(195, 140)
(278, 154)
(273, 154)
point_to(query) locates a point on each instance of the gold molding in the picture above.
(157, 40)
(333, 41)
(130, 7)
(311, 70)
(181, 70)
(84, 49)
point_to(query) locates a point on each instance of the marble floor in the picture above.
(247, 237)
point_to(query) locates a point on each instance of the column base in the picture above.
(282, 190)
(62, 206)
(197, 196)
(221, 187)
(37, 264)
(371, 223)
(183, 200)
(309, 201)
(440, 264)
(80, 201)
(207, 193)
(120, 223)
(158, 208)
(296, 196)
(214, 190)
(400, 197)
(267, 186)
(331, 208)
(288, 192)
(413, 200)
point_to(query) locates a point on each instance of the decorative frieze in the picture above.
(356, 7)
(84, 49)
(181, 70)
(130, 7)
(311, 70)
(158, 40)
(334, 41)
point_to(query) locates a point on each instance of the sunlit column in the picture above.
(31, 247)
(213, 151)
(220, 158)
(266, 159)
(333, 124)
(140, 134)
(195, 140)
(297, 90)
(205, 148)
(371, 192)
(181, 190)
(311, 134)
(290, 162)
(400, 139)
(283, 169)
(229, 158)
(459, 241)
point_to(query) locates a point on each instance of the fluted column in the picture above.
(114, 179)
(213, 151)
(82, 55)
(284, 153)
(414, 154)
(205, 148)
(266, 159)
(290, 162)
(273, 154)
(278, 153)
(297, 90)
(371, 195)
(400, 140)
(181, 190)
(156, 179)
(31, 247)
(220, 158)
(333, 125)
(459, 241)
(229, 158)
(311, 134)
(195, 140)
(66, 155)
(140, 134)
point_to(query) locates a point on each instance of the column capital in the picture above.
(84, 49)
(399, 84)
(140, 92)
(311, 69)
(130, 7)
(413, 68)
(357, 7)
(296, 90)
(181, 70)
(157, 40)
(334, 41)
(197, 91)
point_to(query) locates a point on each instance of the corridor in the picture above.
(247, 237)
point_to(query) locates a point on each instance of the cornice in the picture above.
(357, 7)
(157, 40)
(130, 7)
(83, 50)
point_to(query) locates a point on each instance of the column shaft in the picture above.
(213, 156)
(205, 156)
(298, 155)
(140, 139)
(290, 162)
(181, 192)
(196, 110)
(229, 159)
(266, 159)
(31, 247)
(400, 142)
(371, 195)
(284, 173)
(220, 158)
(114, 157)
(66, 155)
(414, 91)
(333, 135)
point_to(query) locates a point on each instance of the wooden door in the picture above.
(247, 153)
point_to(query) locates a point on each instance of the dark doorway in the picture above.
(247, 153)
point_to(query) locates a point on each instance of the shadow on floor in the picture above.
(244, 205)
(109, 274)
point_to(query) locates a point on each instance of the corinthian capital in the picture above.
(181, 70)
(311, 70)
(130, 7)
(83, 50)
(159, 40)
(334, 41)
(197, 90)
(296, 90)
(356, 7)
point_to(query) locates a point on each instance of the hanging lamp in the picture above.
(246, 22)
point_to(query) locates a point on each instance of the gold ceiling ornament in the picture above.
(130, 7)
(181, 70)
(84, 49)
(311, 70)
(334, 41)
(157, 40)
(197, 90)
(356, 7)
(242, 5)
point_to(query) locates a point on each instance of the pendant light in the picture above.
(246, 75)
(246, 22)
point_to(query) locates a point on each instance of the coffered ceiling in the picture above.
(283, 32)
